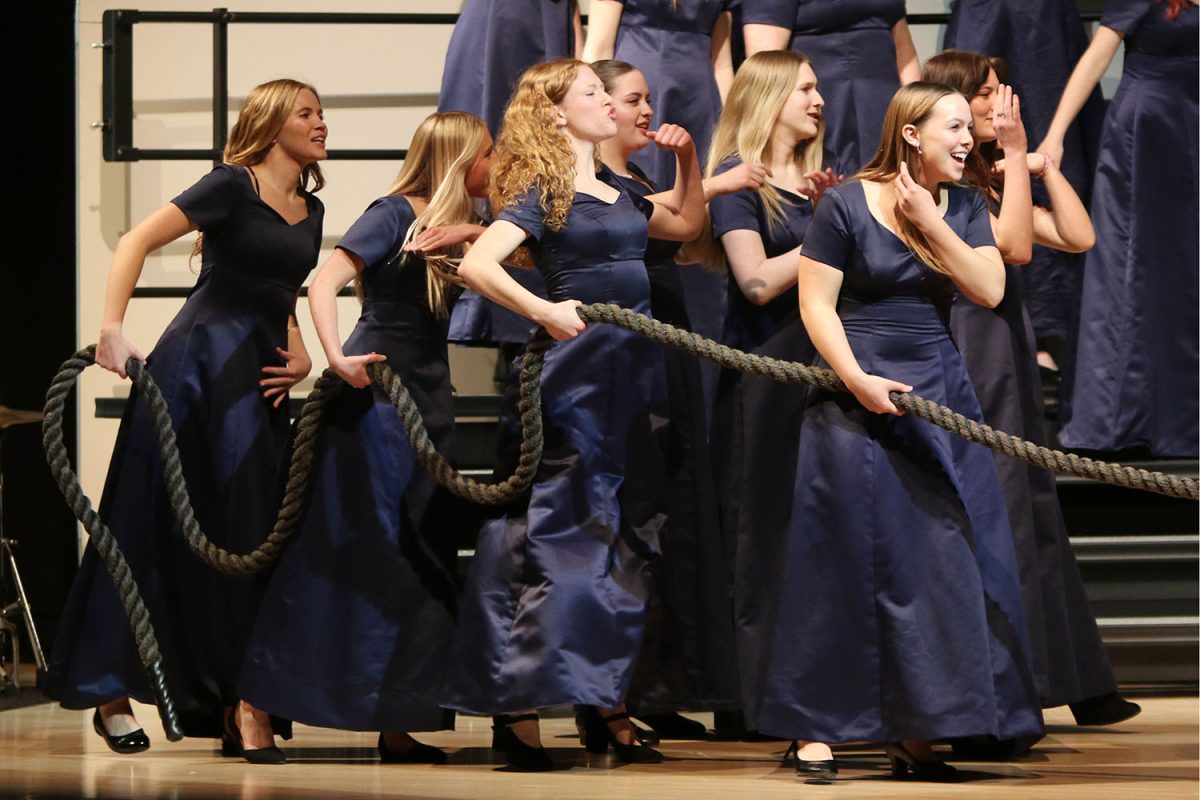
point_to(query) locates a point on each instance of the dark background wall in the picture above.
(37, 294)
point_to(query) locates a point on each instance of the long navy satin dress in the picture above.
(493, 42)
(687, 661)
(1137, 372)
(356, 626)
(854, 56)
(901, 611)
(1000, 353)
(554, 607)
(1041, 41)
(673, 48)
(754, 438)
(234, 448)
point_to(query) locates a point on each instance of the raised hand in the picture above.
(353, 369)
(113, 350)
(441, 237)
(913, 200)
(297, 366)
(820, 181)
(673, 138)
(1006, 119)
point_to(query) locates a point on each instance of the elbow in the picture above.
(1083, 242)
(468, 270)
(1019, 256)
(990, 296)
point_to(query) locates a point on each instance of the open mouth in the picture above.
(319, 140)
(960, 156)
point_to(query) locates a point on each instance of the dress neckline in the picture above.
(253, 180)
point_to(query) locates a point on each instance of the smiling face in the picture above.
(302, 136)
(943, 139)
(801, 112)
(981, 108)
(477, 176)
(631, 96)
(586, 111)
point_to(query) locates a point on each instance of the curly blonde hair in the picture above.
(531, 151)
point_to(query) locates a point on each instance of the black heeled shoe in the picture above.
(902, 762)
(1105, 709)
(598, 736)
(673, 726)
(822, 771)
(231, 746)
(417, 754)
(520, 756)
(643, 735)
(135, 742)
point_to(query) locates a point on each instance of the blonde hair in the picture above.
(263, 115)
(759, 91)
(443, 150)
(911, 105)
(531, 151)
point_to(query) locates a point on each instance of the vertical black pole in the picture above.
(220, 93)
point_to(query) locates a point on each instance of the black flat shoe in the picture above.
(231, 747)
(417, 754)
(598, 737)
(135, 742)
(904, 762)
(817, 772)
(674, 726)
(520, 756)
(1106, 709)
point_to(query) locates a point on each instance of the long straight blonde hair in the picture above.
(911, 105)
(759, 91)
(443, 150)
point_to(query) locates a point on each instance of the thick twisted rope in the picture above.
(947, 418)
(300, 466)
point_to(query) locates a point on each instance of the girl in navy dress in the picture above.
(999, 351)
(770, 133)
(901, 618)
(1137, 370)
(357, 623)
(687, 660)
(683, 48)
(493, 42)
(863, 51)
(554, 606)
(217, 366)
(1040, 41)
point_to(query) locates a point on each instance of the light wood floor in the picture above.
(48, 752)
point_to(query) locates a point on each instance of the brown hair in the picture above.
(263, 114)
(966, 73)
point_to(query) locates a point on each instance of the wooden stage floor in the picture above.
(46, 752)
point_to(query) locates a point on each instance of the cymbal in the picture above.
(13, 416)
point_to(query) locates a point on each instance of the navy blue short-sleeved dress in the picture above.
(357, 622)
(905, 608)
(1137, 371)
(754, 437)
(493, 42)
(687, 661)
(555, 600)
(854, 56)
(234, 448)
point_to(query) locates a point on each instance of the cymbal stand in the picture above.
(9, 680)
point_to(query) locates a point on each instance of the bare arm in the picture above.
(481, 270)
(820, 285)
(679, 214)
(722, 53)
(1065, 225)
(296, 365)
(577, 31)
(908, 66)
(157, 230)
(759, 37)
(1013, 229)
(337, 271)
(760, 278)
(604, 18)
(1084, 78)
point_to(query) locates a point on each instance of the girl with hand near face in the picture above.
(687, 661)
(357, 624)
(554, 606)
(903, 620)
(224, 365)
(1000, 353)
